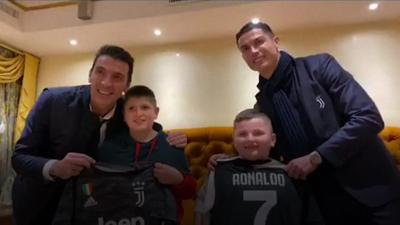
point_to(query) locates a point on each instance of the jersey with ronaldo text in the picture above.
(242, 192)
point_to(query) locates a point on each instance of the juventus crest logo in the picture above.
(138, 188)
(320, 101)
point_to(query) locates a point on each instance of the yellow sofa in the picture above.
(391, 138)
(203, 142)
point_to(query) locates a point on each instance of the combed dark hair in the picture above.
(249, 114)
(138, 91)
(250, 26)
(118, 53)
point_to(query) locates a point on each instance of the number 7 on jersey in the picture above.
(270, 200)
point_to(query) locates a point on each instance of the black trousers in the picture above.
(339, 208)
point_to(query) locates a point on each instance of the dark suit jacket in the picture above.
(60, 122)
(345, 124)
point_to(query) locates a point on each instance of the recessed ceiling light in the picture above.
(177, 54)
(73, 42)
(373, 6)
(157, 32)
(255, 20)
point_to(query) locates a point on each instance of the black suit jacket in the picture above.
(344, 124)
(60, 122)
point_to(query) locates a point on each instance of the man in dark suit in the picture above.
(62, 132)
(327, 130)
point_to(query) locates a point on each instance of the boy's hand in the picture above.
(166, 174)
(71, 165)
(177, 139)
(212, 161)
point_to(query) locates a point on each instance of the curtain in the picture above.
(9, 95)
(18, 75)
(28, 92)
(11, 68)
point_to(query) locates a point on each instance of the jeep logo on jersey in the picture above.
(138, 188)
(133, 221)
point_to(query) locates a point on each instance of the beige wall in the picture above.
(209, 82)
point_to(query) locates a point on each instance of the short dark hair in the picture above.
(250, 26)
(249, 114)
(138, 91)
(116, 53)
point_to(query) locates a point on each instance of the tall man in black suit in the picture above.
(327, 130)
(62, 132)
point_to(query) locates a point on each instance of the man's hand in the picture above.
(177, 139)
(301, 167)
(212, 161)
(71, 165)
(166, 174)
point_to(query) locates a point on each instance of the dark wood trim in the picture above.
(5, 215)
(43, 6)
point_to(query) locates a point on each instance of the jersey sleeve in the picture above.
(205, 201)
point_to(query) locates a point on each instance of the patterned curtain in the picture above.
(9, 95)
(9, 98)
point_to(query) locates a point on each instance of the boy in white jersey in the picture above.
(252, 188)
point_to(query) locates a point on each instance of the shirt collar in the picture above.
(108, 115)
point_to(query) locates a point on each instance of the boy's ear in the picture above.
(273, 139)
(157, 111)
(276, 40)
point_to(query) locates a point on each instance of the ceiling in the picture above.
(44, 27)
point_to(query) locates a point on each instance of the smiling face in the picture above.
(108, 79)
(260, 51)
(140, 114)
(253, 138)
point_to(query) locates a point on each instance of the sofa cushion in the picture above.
(202, 143)
(391, 138)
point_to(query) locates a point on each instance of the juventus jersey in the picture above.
(242, 192)
(115, 195)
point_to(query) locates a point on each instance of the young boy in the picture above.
(141, 143)
(252, 188)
